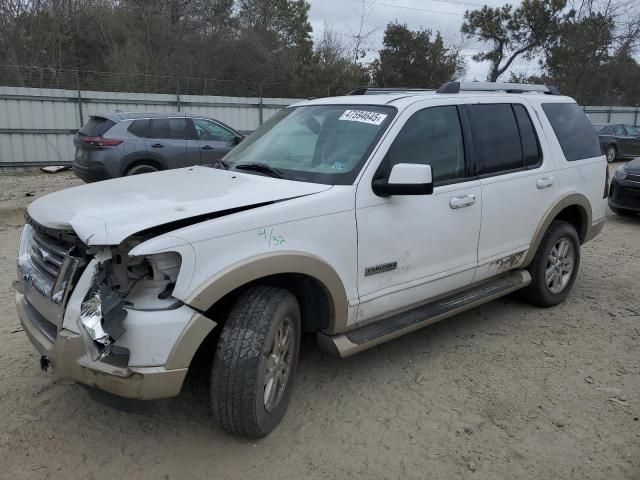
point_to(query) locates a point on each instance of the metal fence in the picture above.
(37, 125)
(627, 115)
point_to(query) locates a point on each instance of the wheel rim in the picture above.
(279, 364)
(560, 264)
(142, 169)
(611, 154)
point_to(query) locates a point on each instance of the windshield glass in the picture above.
(320, 144)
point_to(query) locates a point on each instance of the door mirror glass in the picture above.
(406, 179)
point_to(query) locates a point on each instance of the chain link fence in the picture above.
(38, 77)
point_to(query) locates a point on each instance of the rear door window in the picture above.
(496, 137)
(528, 138)
(139, 128)
(173, 128)
(574, 131)
(96, 127)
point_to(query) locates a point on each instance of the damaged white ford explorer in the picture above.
(359, 218)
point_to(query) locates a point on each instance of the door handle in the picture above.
(544, 182)
(462, 201)
(157, 145)
(207, 147)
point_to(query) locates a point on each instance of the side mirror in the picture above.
(405, 179)
(237, 139)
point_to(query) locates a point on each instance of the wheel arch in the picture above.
(141, 158)
(575, 209)
(316, 285)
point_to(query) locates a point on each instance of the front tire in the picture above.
(255, 361)
(555, 266)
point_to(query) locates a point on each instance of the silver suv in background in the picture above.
(118, 144)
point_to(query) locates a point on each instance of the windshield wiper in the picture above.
(261, 168)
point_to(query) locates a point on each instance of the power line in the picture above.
(405, 7)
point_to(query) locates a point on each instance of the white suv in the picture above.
(360, 218)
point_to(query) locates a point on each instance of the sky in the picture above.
(343, 17)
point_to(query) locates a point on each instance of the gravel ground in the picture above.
(506, 391)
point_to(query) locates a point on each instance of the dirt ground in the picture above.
(506, 391)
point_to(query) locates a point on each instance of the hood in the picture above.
(106, 213)
(633, 166)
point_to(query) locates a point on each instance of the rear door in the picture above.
(517, 180)
(169, 141)
(214, 140)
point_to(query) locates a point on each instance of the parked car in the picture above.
(619, 141)
(624, 192)
(359, 218)
(119, 144)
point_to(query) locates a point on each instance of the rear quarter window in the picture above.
(574, 131)
(96, 127)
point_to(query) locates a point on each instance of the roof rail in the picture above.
(382, 91)
(457, 87)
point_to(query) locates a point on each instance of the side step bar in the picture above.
(380, 331)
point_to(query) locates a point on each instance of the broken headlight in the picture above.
(125, 283)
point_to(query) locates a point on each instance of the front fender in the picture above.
(221, 283)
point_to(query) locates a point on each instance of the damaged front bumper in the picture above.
(71, 360)
(145, 352)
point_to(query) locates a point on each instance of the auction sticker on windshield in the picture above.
(363, 116)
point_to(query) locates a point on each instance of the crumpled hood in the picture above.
(105, 213)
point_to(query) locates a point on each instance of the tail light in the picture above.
(101, 141)
(606, 182)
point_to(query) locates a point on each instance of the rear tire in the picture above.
(255, 361)
(610, 153)
(622, 212)
(555, 266)
(141, 168)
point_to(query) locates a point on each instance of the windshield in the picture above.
(320, 144)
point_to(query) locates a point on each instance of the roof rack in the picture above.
(457, 87)
(382, 91)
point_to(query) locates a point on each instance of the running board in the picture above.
(380, 331)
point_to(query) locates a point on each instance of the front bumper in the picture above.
(67, 354)
(624, 194)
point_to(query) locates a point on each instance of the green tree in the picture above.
(513, 32)
(415, 59)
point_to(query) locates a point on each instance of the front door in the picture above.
(413, 248)
(214, 140)
(633, 134)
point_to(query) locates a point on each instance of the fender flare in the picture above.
(134, 157)
(254, 268)
(570, 200)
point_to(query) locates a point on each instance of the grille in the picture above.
(47, 256)
(628, 198)
(633, 178)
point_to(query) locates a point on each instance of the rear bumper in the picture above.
(624, 195)
(93, 172)
(67, 354)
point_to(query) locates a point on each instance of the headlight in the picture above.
(127, 283)
(621, 172)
